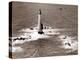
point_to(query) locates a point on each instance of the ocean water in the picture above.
(42, 47)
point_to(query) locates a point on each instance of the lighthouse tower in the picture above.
(40, 25)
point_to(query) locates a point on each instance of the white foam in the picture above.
(36, 36)
(31, 37)
(71, 41)
(18, 42)
(15, 49)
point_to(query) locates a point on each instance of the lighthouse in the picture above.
(40, 25)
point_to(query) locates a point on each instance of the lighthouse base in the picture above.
(40, 32)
